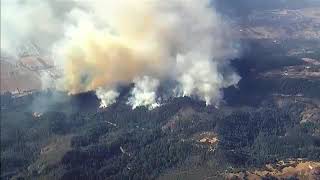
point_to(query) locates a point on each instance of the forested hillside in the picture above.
(264, 120)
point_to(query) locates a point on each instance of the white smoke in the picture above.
(197, 78)
(107, 96)
(144, 93)
(106, 44)
(31, 21)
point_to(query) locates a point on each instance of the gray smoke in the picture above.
(100, 45)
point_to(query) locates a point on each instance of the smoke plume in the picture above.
(107, 44)
(25, 22)
(106, 96)
(144, 93)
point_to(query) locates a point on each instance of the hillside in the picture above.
(266, 125)
(273, 115)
